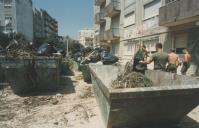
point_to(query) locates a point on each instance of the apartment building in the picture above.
(16, 16)
(37, 24)
(86, 37)
(44, 24)
(181, 17)
(107, 17)
(141, 26)
(123, 24)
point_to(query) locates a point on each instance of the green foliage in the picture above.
(4, 40)
(73, 45)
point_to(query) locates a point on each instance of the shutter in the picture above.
(181, 41)
(152, 9)
(129, 19)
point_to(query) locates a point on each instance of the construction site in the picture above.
(56, 91)
(137, 67)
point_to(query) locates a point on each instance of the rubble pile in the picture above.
(130, 79)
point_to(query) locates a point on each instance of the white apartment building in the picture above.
(141, 26)
(17, 16)
(123, 24)
(86, 37)
(107, 17)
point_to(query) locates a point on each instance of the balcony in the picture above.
(112, 34)
(99, 2)
(99, 18)
(113, 8)
(179, 12)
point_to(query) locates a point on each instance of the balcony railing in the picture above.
(179, 12)
(99, 18)
(113, 8)
(99, 2)
(112, 34)
(100, 37)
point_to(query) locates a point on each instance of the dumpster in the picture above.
(2, 71)
(84, 68)
(76, 65)
(31, 74)
(166, 103)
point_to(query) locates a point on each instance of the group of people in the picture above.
(168, 62)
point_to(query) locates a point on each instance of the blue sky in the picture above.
(72, 15)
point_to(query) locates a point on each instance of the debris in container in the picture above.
(130, 79)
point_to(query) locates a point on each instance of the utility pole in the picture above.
(67, 48)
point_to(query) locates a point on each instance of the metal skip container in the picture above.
(170, 99)
(32, 74)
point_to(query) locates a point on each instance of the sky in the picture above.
(72, 15)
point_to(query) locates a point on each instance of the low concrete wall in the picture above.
(160, 78)
(152, 106)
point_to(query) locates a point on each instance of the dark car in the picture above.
(108, 58)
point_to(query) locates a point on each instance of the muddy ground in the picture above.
(74, 106)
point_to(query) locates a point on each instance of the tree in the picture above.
(4, 40)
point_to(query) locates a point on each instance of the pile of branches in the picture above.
(17, 46)
(129, 79)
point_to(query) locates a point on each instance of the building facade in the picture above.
(126, 23)
(86, 37)
(16, 16)
(123, 24)
(37, 24)
(107, 19)
(181, 17)
(44, 24)
(141, 26)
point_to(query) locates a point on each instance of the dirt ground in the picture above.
(74, 106)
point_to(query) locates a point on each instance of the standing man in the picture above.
(173, 62)
(141, 55)
(186, 61)
(160, 58)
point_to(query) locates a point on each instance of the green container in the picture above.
(64, 67)
(33, 74)
(76, 66)
(86, 72)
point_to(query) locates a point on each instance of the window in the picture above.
(8, 21)
(152, 9)
(8, 3)
(150, 44)
(169, 1)
(128, 3)
(180, 42)
(129, 48)
(115, 49)
(129, 19)
(1, 1)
